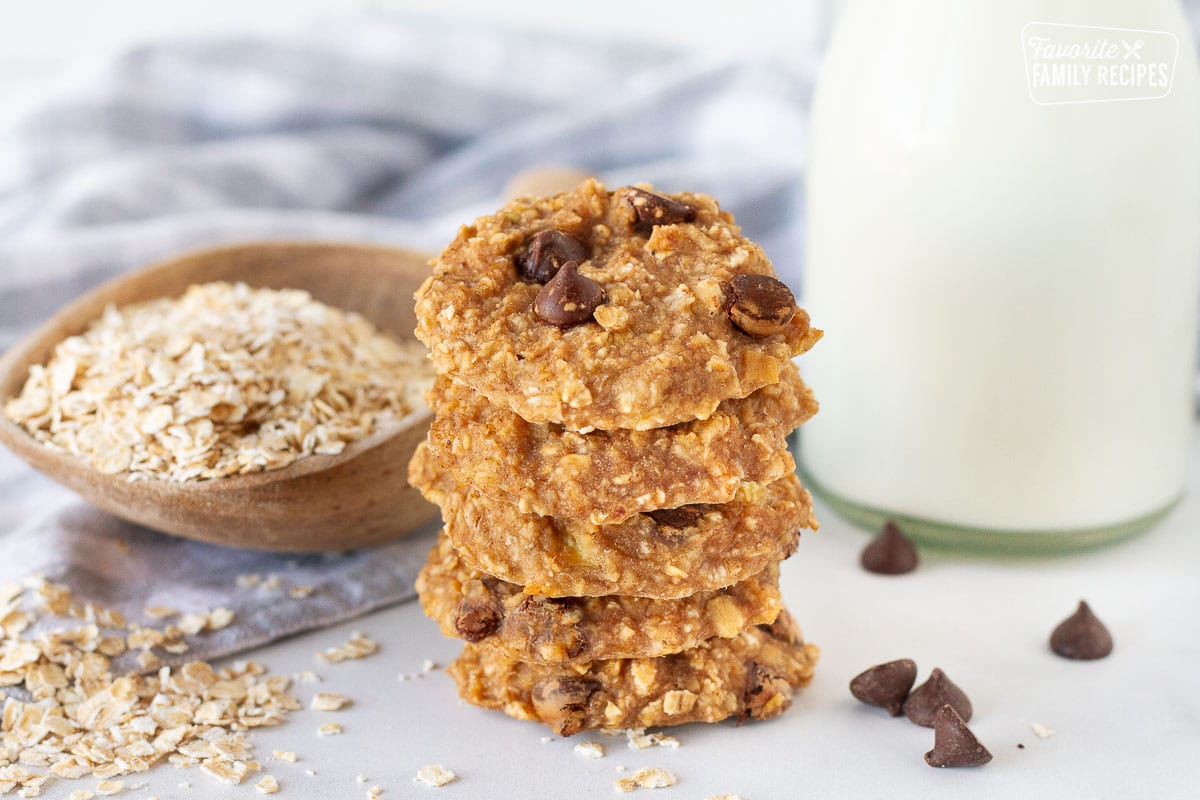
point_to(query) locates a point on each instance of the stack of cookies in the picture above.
(609, 453)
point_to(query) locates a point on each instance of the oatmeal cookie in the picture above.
(669, 553)
(479, 608)
(608, 476)
(599, 309)
(753, 675)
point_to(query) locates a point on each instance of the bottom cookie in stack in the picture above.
(753, 675)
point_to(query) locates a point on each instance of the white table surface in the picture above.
(1127, 726)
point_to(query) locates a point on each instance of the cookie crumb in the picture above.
(1042, 731)
(428, 666)
(590, 749)
(434, 775)
(728, 796)
(268, 785)
(374, 792)
(547, 739)
(638, 739)
(651, 778)
(1020, 746)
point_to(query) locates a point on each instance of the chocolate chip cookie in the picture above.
(474, 606)
(609, 309)
(753, 676)
(667, 554)
(607, 476)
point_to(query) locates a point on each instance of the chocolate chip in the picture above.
(569, 298)
(653, 209)
(479, 614)
(759, 304)
(547, 252)
(953, 743)
(766, 694)
(1081, 636)
(680, 517)
(562, 702)
(885, 685)
(923, 704)
(889, 553)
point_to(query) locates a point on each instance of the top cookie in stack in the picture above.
(609, 452)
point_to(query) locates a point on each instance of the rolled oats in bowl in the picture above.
(224, 380)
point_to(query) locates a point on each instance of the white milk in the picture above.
(1008, 289)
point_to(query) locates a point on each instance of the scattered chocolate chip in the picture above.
(759, 304)
(479, 614)
(680, 517)
(766, 694)
(569, 298)
(889, 553)
(953, 743)
(1020, 746)
(653, 209)
(548, 250)
(562, 702)
(886, 685)
(1081, 636)
(923, 704)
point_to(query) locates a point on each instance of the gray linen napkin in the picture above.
(366, 129)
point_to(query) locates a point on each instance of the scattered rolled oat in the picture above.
(330, 729)
(284, 755)
(359, 645)
(109, 788)
(434, 775)
(268, 785)
(224, 380)
(728, 796)
(81, 794)
(82, 720)
(652, 778)
(300, 592)
(1043, 731)
(160, 612)
(638, 739)
(374, 792)
(249, 580)
(329, 701)
(590, 749)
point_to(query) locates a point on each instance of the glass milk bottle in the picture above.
(1003, 249)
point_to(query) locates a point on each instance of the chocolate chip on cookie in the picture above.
(561, 702)
(953, 743)
(652, 209)
(766, 695)
(885, 685)
(759, 304)
(479, 614)
(1081, 636)
(547, 251)
(569, 298)
(923, 704)
(680, 517)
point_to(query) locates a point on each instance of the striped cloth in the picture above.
(357, 129)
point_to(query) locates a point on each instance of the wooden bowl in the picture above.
(357, 498)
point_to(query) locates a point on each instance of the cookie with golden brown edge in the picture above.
(650, 323)
(607, 476)
(669, 553)
(752, 676)
(472, 605)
